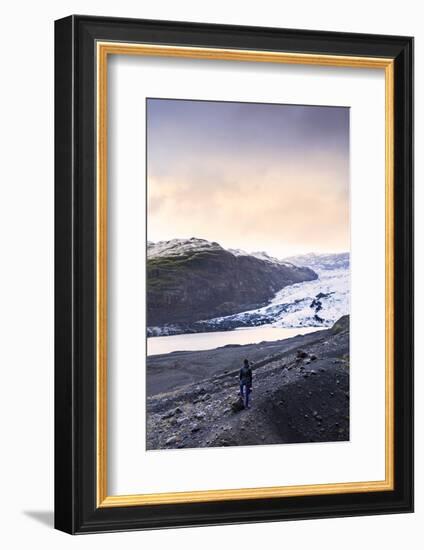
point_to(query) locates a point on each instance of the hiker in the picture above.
(245, 383)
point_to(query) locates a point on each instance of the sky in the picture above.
(253, 176)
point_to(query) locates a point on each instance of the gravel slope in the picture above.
(300, 394)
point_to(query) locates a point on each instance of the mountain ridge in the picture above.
(191, 280)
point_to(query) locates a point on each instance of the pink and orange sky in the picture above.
(250, 176)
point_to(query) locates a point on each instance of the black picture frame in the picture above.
(76, 509)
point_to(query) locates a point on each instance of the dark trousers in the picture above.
(245, 392)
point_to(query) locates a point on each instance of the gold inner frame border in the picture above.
(103, 50)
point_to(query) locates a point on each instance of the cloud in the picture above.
(282, 199)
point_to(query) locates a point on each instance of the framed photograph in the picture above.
(233, 265)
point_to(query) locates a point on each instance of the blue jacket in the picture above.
(246, 376)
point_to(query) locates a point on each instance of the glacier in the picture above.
(317, 303)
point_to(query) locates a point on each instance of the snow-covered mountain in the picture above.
(261, 255)
(190, 280)
(317, 303)
(180, 247)
(322, 262)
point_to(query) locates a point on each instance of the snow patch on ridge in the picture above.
(264, 256)
(179, 247)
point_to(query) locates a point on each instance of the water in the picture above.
(211, 340)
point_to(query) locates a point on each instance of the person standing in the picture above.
(245, 383)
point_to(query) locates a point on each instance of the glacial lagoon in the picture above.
(211, 340)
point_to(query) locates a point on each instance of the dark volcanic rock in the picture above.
(342, 325)
(304, 402)
(238, 405)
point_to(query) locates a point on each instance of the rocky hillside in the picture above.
(300, 394)
(193, 279)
